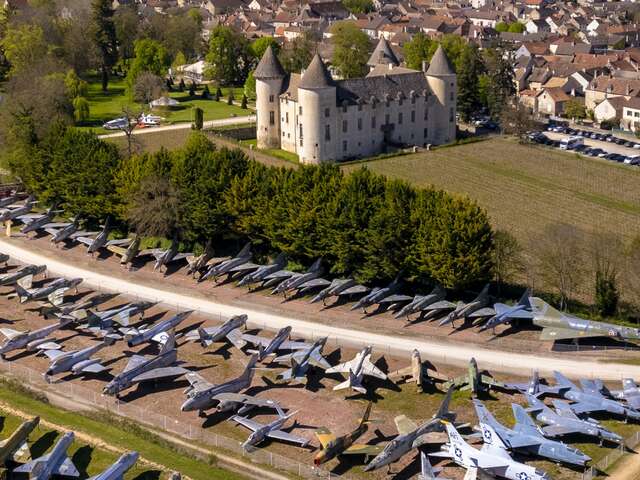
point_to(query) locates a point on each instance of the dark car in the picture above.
(581, 148)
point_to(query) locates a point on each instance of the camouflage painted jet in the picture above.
(241, 263)
(54, 463)
(340, 287)
(15, 447)
(630, 393)
(129, 253)
(117, 470)
(301, 361)
(386, 295)
(157, 333)
(272, 430)
(165, 257)
(104, 320)
(356, 369)
(417, 372)
(563, 421)
(477, 308)
(271, 346)
(30, 340)
(101, 240)
(78, 310)
(302, 282)
(53, 292)
(507, 313)
(24, 275)
(334, 447)
(426, 306)
(77, 362)
(34, 223)
(18, 212)
(268, 275)
(229, 330)
(475, 380)
(197, 263)
(141, 369)
(525, 437)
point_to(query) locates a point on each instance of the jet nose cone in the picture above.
(187, 406)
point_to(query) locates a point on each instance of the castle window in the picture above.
(300, 141)
(272, 118)
(344, 108)
(344, 145)
(373, 122)
(413, 116)
(400, 101)
(359, 124)
(270, 98)
(300, 134)
(327, 132)
(327, 112)
(300, 110)
(451, 116)
(426, 132)
(413, 99)
(287, 116)
(400, 118)
(344, 126)
(451, 96)
(426, 114)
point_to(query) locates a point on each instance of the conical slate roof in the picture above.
(269, 66)
(440, 64)
(383, 55)
(316, 75)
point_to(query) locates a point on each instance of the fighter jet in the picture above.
(356, 369)
(507, 313)
(197, 263)
(332, 446)
(141, 369)
(240, 263)
(301, 361)
(101, 240)
(53, 292)
(411, 436)
(270, 346)
(4, 259)
(10, 200)
(426, 305)
(427, 472)
(560, 326)
(165, 257)
(34, 222)
(475, 380)
(54, 463)
(229, 330)
(202, 395)
(533, 387)
(268, 275)
(302, 282)
(477, 308)
(61, 232)
(629, 393)
(117, 470)
(382, 295)
(565, 422)
(30, 341)
(19, 211)
(157, 333)
(24, 275)
(104, 320)
(492, 459)
(525, 437)
(588, 399)
(417, 372)
(77, 361)
(15, 447)
(338, 288)
(78, 310)
(270, 430)
(130, 252)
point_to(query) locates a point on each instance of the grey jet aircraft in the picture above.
(62, 232)
(426, 306)
(507, 313)
(30, 340)
(417, 372)
(18, 212)
(479, 307)
(78, 361)
(302, 282)
(270, 346)
(563, 421)
(411, 435)
(101, 240)
(356, 370)
(4, 259)
(10, 200)
(301, 361)
(630, 393)
(272, 430)
(54, 463)
(141, 369)
(240, 263)
(165, 257)
(268, 275)
(229, 330)
(340, 287)
(157, 333)
(24, 275)
(15, 447)
(525, 437)
(197, 263)
(53, 292)
(534, 387)
(35, 223)
(104, 320)
(117, 470)
(382, 295)
(475, 380)
(78, 310)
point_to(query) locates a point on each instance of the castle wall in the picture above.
(268, 112)
(444, 88)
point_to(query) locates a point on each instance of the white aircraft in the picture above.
(356, 369)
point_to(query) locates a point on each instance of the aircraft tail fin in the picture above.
(170, 343)
(484, 416)
(443, 411)
(316, 265)
(367, 413)
(26, 282)
(245, 250)
(22, 293)
(535, 404)
(524, 423)
(524, 299)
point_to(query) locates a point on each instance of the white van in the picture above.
(570, 143)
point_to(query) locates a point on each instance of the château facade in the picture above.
(323, 120)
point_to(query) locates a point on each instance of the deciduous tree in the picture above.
(351, 49)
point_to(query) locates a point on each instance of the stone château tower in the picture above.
(441, 77)
(269, 76)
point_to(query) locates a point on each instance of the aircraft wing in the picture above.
(324, 436)
(120, 251)
(563, 409)
(491, 381)
(120, 241)
(523, 441)
(373, 371)
(94, 368)
(441, 305)
(180, 256)
(557, 430)
(316, 282)
(29, 466)
(28, 216)
(235, 337)
(590, 386)
(396, 299)
(161, 338)
(22, 454)
(49, 346)
(584, 407)
(67, 469)
(247, 422)
(197, 382)
(293, 345)
(287, 437)
(85, 240)
(53, 354)
(343, 367)
(51, 231)
(134, 361)
(244, 267)
(401, 374)
(9, 333)
(316, 359)
(404, 424)
(256, 339)
(57, 296)
(354, 290)
(361, 449)
(556, 333)
(245, 399)
(56, 225)
(521, 314)
(164, 372)
(482, 312)
(279, 274)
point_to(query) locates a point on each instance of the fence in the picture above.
(168, 424)
(629, 444)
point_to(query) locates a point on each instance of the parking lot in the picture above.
(593, 144)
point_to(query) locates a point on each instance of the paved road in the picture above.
(606, 146)
(430, 349)
(186, 125)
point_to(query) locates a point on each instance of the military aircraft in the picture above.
(68, 231)
(492, 459)
(53, 292)
(101, 240)
(629, 393)
(382, 295)
(197, 263)
(589, 399)
(427, 472)
(357, 369)
(561, 326)
(165, 257)
(426, 305)
(340, 287)
(268, 275)
(129, 253)
(240, 263)
(301, 361)
(563, 421)
(117, 470)
(411, 435)
(202, 395)
(475, 380)
(10, 200)
(157, 333)
(78, 310)
(533, 387)
(104, 320)
(35, 222)
(229, 330)
(302, 282)
(30, 340)
(507, 313)
(479, 307)
(77, 361)
(18, 212)
(15, 447)
(4, 259)
(54, 463)
(270, 346)
(332, 446)
(271, 430)
(417, 372)
(141, 369)
(525, 437)
(24, 275)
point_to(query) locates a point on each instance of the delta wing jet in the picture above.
(386, 295)
(272, 430)
(55, 463)
(417, 372)
(479, 307)
(117, 470)
(268, 275)
(53, 292)
(229, 330)
(165, 257)
(78, 310)
(340, 287)
(534, 387)
(427, 306)
(104, 320)
(24, 275)
(271, 346)
(356, 369)
(507, 313)
(78, 361)
(157, 333)
(61, 232)
(475, 380)
(301, 361)
(240, 263)
(30, 340)
(629, 393)
(101, 240)
(302, 282)
(15, 447)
